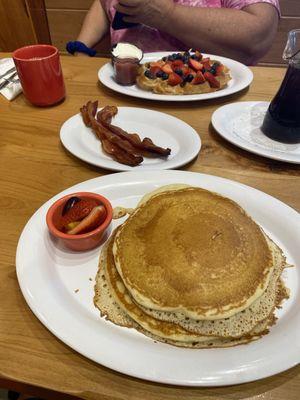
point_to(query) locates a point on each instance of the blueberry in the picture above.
(149, 74)
(178, 72)
(164, 58)
(70, 204)
(194, 57)
(159, 74)
(189, 78)
(186, 54)
(216, 64)
(171, 57)
(164, 76)
(213, 70)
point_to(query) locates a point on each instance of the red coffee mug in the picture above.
(40, 74)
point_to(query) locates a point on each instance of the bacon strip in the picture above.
(120, 155)
(120, 151)
(108, 135)
(105, 116)
(126, 148)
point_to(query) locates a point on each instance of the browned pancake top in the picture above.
(193, 250)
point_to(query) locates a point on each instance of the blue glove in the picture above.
(73, 47)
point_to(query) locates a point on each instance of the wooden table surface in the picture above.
(35, 166)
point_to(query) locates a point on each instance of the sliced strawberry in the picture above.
(196, 65)
(199, 78)
(206, 63)
(192, 72)
(159, 63)
(185, 70)
(213, 82)
(174, 79)
(177, 64)
(79, 211)
(167, 69)
(155, 69)
(90, 222)
(219, 69)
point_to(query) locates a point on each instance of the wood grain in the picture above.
(16, 25)
(69, 4)
(34, 167)
(38, 16)
(275, 53)
(290, 8)
(64, 25)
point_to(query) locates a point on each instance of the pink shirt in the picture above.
(150, 39)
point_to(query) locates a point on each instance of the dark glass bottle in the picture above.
(282, 120)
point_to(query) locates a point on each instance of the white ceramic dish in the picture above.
(50, 276)
(165, 131)
(241, 78)
(240, 123)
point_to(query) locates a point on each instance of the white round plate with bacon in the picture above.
(127, 138)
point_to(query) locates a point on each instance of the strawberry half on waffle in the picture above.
(183, 73)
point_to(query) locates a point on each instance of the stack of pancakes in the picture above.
(189, 267)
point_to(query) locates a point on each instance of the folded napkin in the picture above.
(12, 89)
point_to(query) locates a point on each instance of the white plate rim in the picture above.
(243, 144)
(237, 376)
(142, 94)
(178, 161)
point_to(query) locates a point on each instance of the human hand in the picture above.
(153, 13)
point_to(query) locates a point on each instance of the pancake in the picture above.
(110, 298)
(194, 252)
(123, 299)
(117, 305)
(261, 330)
(240, 323)
(162, 189)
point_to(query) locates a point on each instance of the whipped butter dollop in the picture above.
(127, 50)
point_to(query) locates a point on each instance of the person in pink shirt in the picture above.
(240, 29)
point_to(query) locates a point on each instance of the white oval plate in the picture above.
(49, 277)
(241, 77)
(240, 123)
(165, 131)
